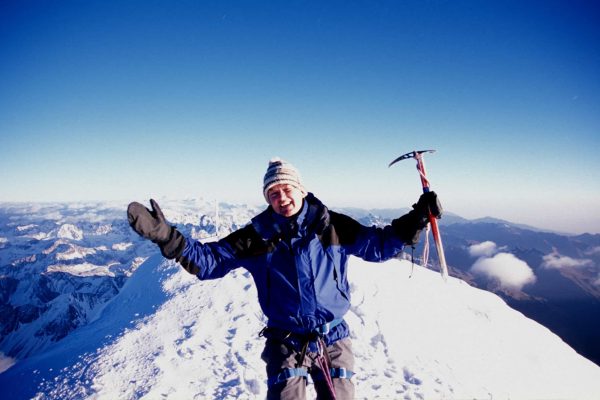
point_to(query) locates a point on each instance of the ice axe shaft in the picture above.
(418, 155)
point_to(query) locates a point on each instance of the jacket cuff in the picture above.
(174, 247)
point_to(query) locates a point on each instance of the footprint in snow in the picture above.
(411, 378)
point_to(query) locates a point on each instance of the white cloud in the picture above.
(556, 261)
(482, 249)
(507, 269)
(593, 251)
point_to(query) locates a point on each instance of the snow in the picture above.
(5, 362)
(121, 246)
(70, 231)
(24, 260)
(103, 230)
(168, 335)
(40, 235)
(54, 246)
(22, 228)
(75, 252)
(82, 269)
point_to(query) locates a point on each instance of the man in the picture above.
(297, 252)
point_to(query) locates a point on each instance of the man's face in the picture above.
(285, 199)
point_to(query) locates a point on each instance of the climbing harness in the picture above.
(313, 345)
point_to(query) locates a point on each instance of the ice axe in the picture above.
(417, 155)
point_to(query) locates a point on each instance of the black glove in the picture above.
(153, 226)
(429, 204)
(409, 226)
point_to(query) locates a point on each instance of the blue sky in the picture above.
(126, 100)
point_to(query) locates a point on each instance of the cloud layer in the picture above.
(509, 271)
(557, 261)
(593, 251)
(482, 249)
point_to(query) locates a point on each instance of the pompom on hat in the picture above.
(280, 172)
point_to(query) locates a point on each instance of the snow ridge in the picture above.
(167, 335)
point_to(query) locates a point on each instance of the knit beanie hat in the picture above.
(281, 172)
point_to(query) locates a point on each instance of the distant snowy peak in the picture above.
(75, 252)
(63, 250)
(23, 228)
(103, 230)
(122, 246)
(24, 260)
(69, 231)
(83, 269)
(40, 235)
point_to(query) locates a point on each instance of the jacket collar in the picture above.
(313, 216)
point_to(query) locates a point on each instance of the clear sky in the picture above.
(124, 100)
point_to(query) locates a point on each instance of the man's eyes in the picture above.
(277, 194)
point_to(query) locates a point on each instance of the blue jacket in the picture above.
(299, 264)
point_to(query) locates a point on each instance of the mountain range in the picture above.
(65, 268)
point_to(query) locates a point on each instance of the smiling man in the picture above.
(297, 251)
(282, 188)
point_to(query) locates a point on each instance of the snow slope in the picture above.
(167, 335)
